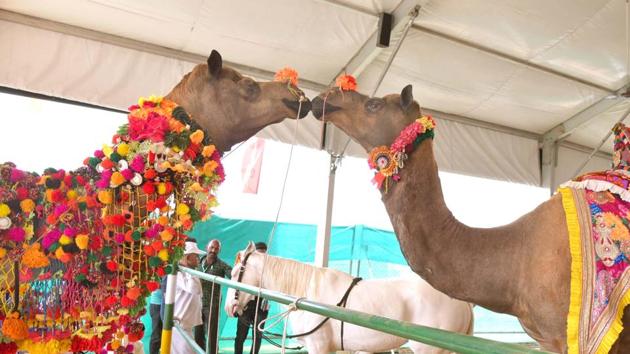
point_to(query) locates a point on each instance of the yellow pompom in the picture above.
(107, 150)
(4, 210)
(105, 197)
(163, 255)
(122, 149)
(3, 252)
(28, 228)
(71, 194)
(27, 205)
(209, 167)
(65, 240)
(117, 179)
(196, 137)
(182, 209)
(82, 241)
(208, 150)
(161, 188)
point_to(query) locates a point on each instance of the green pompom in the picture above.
(155, 261)
(115, 157)
(169, 269)
(94, 161)
(107, 251)
(136, 236)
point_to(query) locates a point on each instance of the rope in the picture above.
(275, 223)
(281, 316)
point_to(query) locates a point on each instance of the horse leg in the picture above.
(622, 344)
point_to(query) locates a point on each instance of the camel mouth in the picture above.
(295, 106)
(318, 108)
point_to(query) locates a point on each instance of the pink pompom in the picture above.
(16, 234)
(137, 164)
(127, 173)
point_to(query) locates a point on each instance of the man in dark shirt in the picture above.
(211, 264)
(249, 318)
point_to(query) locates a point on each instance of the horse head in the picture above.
(370, 121)
(230, 107)
(247, 269)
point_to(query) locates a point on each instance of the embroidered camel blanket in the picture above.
(597, 209)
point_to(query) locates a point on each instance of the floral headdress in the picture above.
(107, 232)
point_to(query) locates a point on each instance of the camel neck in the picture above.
(198, 118)
(451, 256)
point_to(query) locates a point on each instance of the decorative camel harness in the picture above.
(82, 250)
(389, 160)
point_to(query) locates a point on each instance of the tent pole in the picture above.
(322, 248)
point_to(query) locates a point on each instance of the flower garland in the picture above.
(106, 232)
(346, 83)
(387, 161)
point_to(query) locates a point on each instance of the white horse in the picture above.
(412, 300)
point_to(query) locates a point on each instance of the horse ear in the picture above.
(215, 63)
(251, 247)
(406, 97)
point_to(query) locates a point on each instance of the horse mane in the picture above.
(296, 278)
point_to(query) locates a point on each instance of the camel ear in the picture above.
(215, 63)
(406, 97)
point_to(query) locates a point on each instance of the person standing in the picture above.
(187, 305)
(255, 312)
(212, 265)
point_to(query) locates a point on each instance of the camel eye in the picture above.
(249, 89)
(374, 105)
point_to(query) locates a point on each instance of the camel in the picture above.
(218, 101)
(522, 269)
(232, 108)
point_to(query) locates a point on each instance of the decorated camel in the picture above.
(80, 251)
(530, 268)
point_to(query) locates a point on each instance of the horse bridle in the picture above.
(241, 271)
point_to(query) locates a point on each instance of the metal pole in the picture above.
(169, 307)
(191, 341)
(412, 16)
(322, 247)
(432, 336)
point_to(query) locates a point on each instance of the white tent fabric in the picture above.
(510, 71)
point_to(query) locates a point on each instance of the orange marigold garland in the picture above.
(14, 328)
(346, 82)
(287, 74)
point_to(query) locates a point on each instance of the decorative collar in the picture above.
(387, 161)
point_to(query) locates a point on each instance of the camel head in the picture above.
(369, 121)
(230, 107)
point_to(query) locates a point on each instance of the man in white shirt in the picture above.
(187, 306)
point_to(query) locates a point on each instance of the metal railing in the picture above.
(436, 337)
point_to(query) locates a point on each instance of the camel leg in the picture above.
(622, 345)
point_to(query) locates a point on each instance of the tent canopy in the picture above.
(522, 90)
